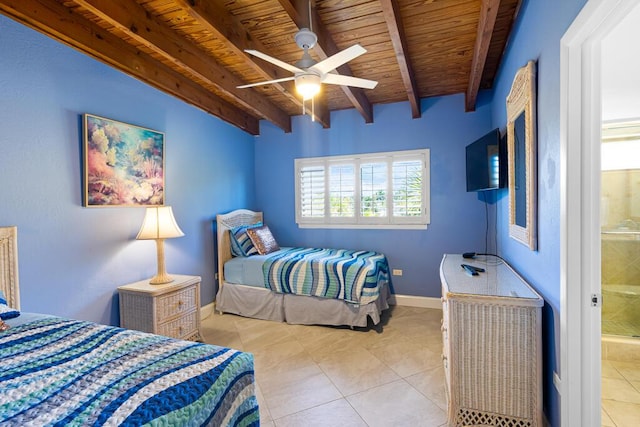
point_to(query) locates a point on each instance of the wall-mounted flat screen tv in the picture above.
(487, 162)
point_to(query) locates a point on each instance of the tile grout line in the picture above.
(233, 327)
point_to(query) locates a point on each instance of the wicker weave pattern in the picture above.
(469, 417)
(445, 347)
(495, 367)
(136, 312)
(182, 327)
(172, 309)
(492, 350)
(176, 303)
(9, 265)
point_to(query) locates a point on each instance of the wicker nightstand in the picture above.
(172, 309)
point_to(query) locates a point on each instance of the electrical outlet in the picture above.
(397, 272)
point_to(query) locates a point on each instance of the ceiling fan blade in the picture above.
(274, 61)
(284, 79)
(338, 79)
(334, 61)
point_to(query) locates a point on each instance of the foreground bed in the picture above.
(252, 286)
(58, 371)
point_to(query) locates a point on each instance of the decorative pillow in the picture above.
(241, 244)
(263, 240)
(6, 312)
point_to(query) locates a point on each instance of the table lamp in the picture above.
(159, 224)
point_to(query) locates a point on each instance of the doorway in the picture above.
(620, 223)
(620, 248)
(581, 283)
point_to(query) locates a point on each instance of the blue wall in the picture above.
(73, 258)
(536, 36)
(457, 217)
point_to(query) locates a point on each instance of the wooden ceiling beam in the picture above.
(60, 23)
(230, 30)
(486, 24)
(133, 19)
(391, 13)
(298, 10)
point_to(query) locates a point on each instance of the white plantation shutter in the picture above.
(342, 190)
(312, 191)
(373, 189)
(389, 190)
(407, 184)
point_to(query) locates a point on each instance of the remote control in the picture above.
(478, 269)
(469, 269)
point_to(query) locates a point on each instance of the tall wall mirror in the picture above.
(521, 147)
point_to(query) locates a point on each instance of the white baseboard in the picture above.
(415, 301)
(207, 310)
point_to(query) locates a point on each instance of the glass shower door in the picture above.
(620, 228)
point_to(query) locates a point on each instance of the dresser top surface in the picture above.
(143, 286)
(498, 279)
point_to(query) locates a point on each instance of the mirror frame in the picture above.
(522, 100)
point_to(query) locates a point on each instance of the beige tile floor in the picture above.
(324, 376)
(620, 393)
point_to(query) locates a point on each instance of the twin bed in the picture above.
(58, 371)
(298, 285)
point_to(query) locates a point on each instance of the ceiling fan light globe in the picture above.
(308, 85)
(308, 90)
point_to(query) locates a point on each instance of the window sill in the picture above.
(367, 226)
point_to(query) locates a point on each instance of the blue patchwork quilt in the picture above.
(56, 372)
(353, 276)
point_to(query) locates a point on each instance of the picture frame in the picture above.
(124, 164)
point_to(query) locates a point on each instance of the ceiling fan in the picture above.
(308, 73)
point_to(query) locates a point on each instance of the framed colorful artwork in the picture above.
(123, 164)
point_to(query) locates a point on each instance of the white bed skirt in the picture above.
(261, 303)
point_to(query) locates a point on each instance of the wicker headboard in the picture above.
(225, 223)
(9, 265)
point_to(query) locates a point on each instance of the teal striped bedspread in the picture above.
(56, 372)
(349, 275)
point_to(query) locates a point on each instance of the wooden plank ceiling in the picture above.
(194, 49)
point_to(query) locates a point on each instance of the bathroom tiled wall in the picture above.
(620, 215)
(621, 260)
(620, 200)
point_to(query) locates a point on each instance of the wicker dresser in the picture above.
(172, 309)
(492, 345)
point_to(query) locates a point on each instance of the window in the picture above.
(388, 190)
(342, 187)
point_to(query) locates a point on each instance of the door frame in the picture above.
(580, 276)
